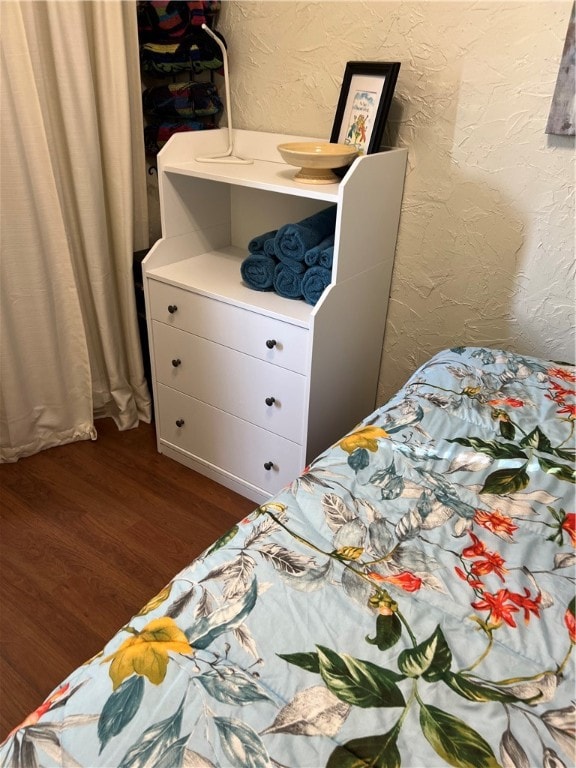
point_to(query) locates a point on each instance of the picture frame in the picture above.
(364, 103)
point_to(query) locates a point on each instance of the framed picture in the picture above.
(364, 103)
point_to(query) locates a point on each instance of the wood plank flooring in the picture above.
(89, 532)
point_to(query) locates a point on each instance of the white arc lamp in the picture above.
(228, 156)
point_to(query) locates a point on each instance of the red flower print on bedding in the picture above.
(512, 402)
(561, 395)
(495, 522)
(486, 562)
(569, 525)
(407, 581)
(500, 606)
(504, 603)
(570, 620)
(562, 373)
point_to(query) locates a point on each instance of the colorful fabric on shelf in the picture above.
(197, 53)
(182, 100)
(157, 134)
(171, 20)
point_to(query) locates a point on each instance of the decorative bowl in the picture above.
(317, 159)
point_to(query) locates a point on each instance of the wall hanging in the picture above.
(561, 119)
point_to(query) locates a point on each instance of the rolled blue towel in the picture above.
(293, 240)
(322, 254)
(256, 245)
(287, 282)
(326, 258)
(269, 247)
(314, 282)
(299, 267)
(257, 271)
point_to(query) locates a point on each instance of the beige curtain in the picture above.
(73, 210)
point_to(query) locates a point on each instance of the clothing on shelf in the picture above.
(174, 46)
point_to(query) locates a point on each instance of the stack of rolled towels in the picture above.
(295, 260)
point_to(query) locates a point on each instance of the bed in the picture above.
(408, 600)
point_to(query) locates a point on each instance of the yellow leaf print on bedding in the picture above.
(157, 600)
(348, 553)
(146, 653)
(366, 437)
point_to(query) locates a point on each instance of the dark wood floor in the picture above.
(88, 533)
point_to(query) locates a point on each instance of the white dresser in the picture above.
(250, 386)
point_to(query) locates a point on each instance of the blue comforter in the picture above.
(407, 601)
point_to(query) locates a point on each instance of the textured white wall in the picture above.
(486, 245)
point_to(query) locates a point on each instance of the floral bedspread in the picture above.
(408, 601)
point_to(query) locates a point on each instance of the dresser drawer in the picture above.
(263, 394)
(275, 341)
(227, 443)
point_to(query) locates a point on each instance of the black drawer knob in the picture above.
(268, 466)
(270, 400)
(179, 422)
(176, 362)
(271, 343)
(172, 308)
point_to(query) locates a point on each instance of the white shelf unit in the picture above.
(229, 403)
